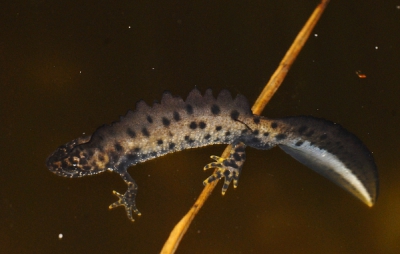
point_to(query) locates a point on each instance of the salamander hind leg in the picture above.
(229, 168)
(128, 198)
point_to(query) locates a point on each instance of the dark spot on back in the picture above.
(256, 120)
(177, 117)
(149, 119)
(186, 138)
(189, 109)
(218, 128)
(299, 143)
(171, 145)
(280, 136)
(202, 125)
(323, 136)
(145, 132)
(266, 134)
(256, 132)
(118, 147)
(255, 140)
(215, 109)
(234, 115)
(193, 125)
(227, 133)
(302, 129)
(159, 142)
(208, 136)
(137, 149)
(131, 133)
(274, 125)
(165, 122)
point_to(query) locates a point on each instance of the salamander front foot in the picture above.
(128, 201)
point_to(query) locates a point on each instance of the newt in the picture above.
(175, 124)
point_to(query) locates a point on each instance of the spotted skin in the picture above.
(201, 120)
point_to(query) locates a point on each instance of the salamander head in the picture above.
(74, 159)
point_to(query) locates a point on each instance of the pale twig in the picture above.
(269, 90)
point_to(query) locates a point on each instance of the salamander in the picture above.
(175, 124)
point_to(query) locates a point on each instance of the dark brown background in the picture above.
(68, 67)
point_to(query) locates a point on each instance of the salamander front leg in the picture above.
(128, 198)
(229, 168)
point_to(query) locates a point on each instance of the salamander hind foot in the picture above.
(229, 168)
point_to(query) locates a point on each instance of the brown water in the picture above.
(68, 68)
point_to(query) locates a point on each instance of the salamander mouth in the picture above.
(65, 172)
